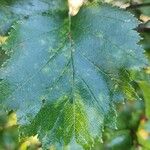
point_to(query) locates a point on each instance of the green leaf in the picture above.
(120, 140)
(143, 80)
(145, 87)
(65, 74)
(146, 9)
(11, 10)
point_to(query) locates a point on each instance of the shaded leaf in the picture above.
(65, 74)
(145, 87)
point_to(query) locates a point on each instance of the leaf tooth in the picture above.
(127, 12)
(13, 27)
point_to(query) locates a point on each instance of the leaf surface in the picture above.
(64, 74)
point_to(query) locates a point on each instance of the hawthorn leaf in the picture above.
(11, 10)
(65, 74)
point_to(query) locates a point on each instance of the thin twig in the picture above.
(143, 27)
(134, 6)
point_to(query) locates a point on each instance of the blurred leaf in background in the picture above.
(8, 131)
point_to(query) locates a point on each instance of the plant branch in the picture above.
(134, 6)
(143, 28)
